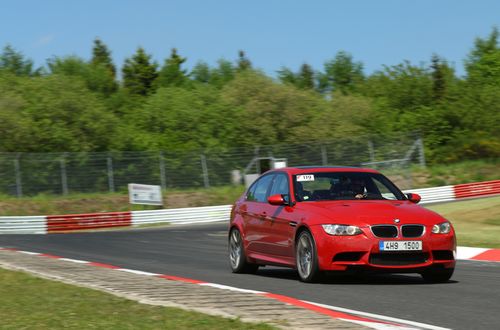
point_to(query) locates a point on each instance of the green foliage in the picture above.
(101, 55)
(97, 77)
(171, 73)
(243, 61)
(14, 62)
(77, 105)
(139, 73)
(342, 74)
(304, 79)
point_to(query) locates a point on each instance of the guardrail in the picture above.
(182, 216)
(75, 222)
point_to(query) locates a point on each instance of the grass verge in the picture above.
(28, 302)
(476, 221)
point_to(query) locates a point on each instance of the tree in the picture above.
(171, 73)
(438, 78)
(287, 76)
(223, 73)
(483, 62)
(14, 62)
(201, 73)
(306, 77)
(342, 74)
(243, 62)
(139, 73)
(102, 56)
(97, 77)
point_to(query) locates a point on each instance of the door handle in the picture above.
(293, 223)
(263, 215)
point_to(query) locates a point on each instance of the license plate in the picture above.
(400, 245)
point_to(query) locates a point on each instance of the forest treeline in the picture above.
(73, 104)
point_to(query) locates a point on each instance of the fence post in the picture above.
(205, 170)
(421, 154)
(163, 177)
(64, 177)
(111, 179)
(371, 150)
(19, 183)
(324, 155)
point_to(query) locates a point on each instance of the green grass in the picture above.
(476, 221)
(28, 302)
(44, 204)
(449, 174)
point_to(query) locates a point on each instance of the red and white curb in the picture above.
(479, 254)
(374, 321)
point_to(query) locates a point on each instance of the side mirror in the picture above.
(414, 198)
(276, 200)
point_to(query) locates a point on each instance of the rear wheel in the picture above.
(306, 258)
(438, 275)
(237, 257)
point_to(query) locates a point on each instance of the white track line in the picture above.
(30, 253)
(232, 288)
(138, 272)
(379, 317)
(75, 261)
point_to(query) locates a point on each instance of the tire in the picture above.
(306, 258)
(237, 258)
(438, 275)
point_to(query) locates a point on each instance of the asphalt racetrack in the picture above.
(471, 300)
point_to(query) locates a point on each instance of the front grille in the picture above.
(386, 231)
(398, 259)
(412, 230)
(442, 255)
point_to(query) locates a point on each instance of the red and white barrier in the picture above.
(75, 222)
(72, 222)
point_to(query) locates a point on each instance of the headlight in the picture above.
(441, 228)
(342, 230)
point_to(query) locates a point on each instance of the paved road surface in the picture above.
(470, 301)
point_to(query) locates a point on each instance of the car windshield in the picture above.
(326, 186)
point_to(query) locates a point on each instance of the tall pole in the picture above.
(163, 176)
(64, 177)
(19, 183)
(111, 179)
(205, 171)
(324, 155)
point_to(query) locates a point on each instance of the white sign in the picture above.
(305, 177)
(144, 194)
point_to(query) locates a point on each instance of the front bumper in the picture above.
(339, 253)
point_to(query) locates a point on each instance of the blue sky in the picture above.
(273, 33)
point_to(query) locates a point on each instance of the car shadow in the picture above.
(351, 278)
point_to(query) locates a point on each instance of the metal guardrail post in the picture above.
(19, 183)
(111, 179)
(204, 168)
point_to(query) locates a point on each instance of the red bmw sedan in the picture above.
(319, 219)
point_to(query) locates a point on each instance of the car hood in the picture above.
(368, 212)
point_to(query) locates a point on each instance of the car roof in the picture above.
(315, 169)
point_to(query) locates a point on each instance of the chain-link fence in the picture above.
(62, 173)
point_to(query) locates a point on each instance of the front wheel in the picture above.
(306, 258)
(237, 257)
(438, 275)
